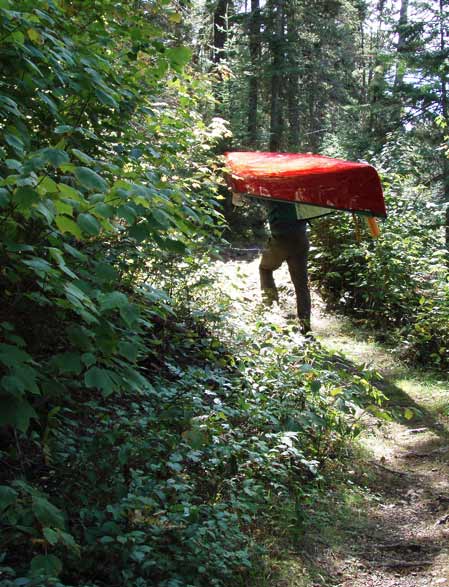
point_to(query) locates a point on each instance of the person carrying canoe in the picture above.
(288, 242)
(299, 187)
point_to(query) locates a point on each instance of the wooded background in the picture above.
(361, 81)
(148, 437)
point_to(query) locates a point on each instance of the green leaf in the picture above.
(90, 180)
(106, 98)
(162, 218)
(48, 565)
(174, 246)
(40, 266)
(76, 293)
(88, 224)
(17, 37)
(4, 197)
(34, 36)
(178, 57)
(9, 105)
(29, 376)
(75, 253)
(46, 211)
(25, 197)
(24, 379)
(55, 157)
(15, 412)
(128, 213)
(130, 315)
(47, 513)
(88, 359)
(49, 102)
(66, 224)
(68, 540)
(79, 337)
(14, 142)
(51, 536)
(105, 272)
(63, 129)
(115, 299)
(196, 438)
(68, 363)
(128, 350)
(48, 185)
(409, 414)
(69, 192)
(140, 231)
(11, 355)
(14, 164)
(100, 379)
(13, 385)
(7, 497)
(83, 157)
(63, 208)
(104, 210)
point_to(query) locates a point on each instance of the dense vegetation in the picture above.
(146, 436)
(361, 81)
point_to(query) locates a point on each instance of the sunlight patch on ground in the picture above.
(402, 466)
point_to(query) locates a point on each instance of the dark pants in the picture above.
(291, 247)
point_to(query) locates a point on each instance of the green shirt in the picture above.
(283, 218)
(287, 217)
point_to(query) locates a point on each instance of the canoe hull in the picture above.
(329, 183)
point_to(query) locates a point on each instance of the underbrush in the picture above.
(142, 439)
(397, 284)
(169, 483)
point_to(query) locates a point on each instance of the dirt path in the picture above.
(392, 529)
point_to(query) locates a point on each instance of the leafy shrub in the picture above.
(166, 483)
(136, 448)
(83, 204)
(398, 283)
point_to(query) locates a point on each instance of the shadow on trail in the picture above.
(400, 405)
(233, 254)
(398, 537)
(385, 527)
(381, 539)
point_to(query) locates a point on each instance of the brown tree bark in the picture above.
(253, 91)
(220, 29)
(277, 66)
(293, 82)
(444, 111)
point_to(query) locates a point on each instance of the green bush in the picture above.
(397, 283)
(136, 448)
(166, 484)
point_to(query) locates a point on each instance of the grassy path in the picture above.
(401, 538)
(389, 526)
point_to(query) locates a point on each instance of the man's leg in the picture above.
(297, 265)
(272, 258)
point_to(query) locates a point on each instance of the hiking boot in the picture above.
(304, 326)
(270, 295)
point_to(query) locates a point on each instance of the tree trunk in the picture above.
(444, 111)
(398, 94)
(220, 29)
(277, 62)
(293, 82)
(402, 42)
(378, 120)
(253, 91)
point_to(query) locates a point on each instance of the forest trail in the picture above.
(391, 527)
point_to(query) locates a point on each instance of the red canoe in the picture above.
(316, 180)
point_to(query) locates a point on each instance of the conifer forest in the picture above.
(160, 426)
